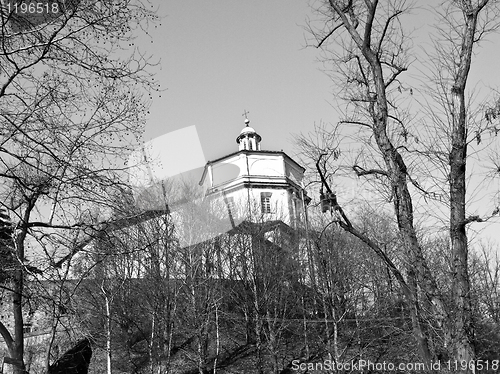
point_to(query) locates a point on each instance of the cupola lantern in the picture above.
(248, 139)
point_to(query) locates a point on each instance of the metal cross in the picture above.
(245, 114)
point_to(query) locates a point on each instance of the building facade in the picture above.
(258, 185)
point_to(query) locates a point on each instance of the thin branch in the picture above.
(355, 123)
(362, 172)
(387, 23)
(330, 33)
(394, 75)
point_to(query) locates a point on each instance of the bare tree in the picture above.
(371, 53)
(68, 108)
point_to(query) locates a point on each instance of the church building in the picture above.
(258, 185)
(261, 191)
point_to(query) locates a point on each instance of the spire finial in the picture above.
(245, 114)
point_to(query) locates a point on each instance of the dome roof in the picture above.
(247, 129)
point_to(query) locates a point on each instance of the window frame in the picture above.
(265, 202)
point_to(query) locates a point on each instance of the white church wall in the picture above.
(227, 170)
(247, 202)
(266, 165)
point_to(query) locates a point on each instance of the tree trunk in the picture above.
(258, 343)
(107, 304)
(18, 353)
(217, 337)
(403, 208)
(462, 333)
(396, 173)
(18, 289)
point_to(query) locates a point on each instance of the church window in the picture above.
(265, 202)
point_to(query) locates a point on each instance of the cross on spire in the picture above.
(245, 114)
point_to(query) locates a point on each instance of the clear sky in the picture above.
(222, 57)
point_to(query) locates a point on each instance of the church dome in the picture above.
(247, 130)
